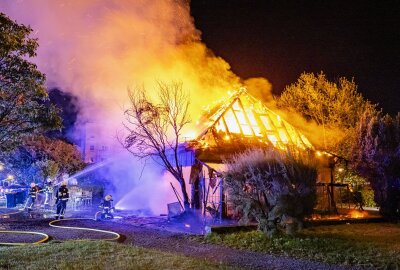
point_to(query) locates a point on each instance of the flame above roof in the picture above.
(242, 119)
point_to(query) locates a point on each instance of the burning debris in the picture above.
(358, 214)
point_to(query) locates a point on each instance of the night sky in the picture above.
(281, 39)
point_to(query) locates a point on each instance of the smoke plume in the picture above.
(97, 49)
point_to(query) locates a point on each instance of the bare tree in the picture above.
(155, 128)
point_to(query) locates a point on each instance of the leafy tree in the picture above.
(154, 129)
(336, 104)
(41, 157)
(276, 189)
(23, 97)
(332, 105)
(376, 156)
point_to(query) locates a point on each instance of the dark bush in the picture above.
(276, 189)
(376, 156)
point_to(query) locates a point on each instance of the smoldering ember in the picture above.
(179, 134)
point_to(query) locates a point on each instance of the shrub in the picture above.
(376, 156)
(368, 197)
(276, 189)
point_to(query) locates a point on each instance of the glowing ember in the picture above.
(315, 217)
(358, 214)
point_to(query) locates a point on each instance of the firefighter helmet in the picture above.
(108, 198)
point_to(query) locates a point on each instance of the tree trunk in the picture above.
(195, 203)
(185, 196)
(194, 180)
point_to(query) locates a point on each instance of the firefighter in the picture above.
(62, 198)
(107, 206)
(32, 196)
(48, 190)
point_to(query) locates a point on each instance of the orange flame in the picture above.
(241, 115)
(358, 214)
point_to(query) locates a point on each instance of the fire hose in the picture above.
(11, 213)
(46, 237)
(117, 236)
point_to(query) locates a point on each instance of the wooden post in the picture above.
(221, 200)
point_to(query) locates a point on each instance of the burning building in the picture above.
(233, 125)
(239, 122)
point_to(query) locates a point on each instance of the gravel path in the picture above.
(166, 241)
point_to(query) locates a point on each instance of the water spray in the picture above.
(87, 170)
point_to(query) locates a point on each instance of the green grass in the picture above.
(95, 255)
(376, 245)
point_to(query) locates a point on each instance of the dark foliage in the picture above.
(41, 157)
(376, 155)
(23, 108)
(276, 189)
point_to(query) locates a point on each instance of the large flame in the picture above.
(241, 116)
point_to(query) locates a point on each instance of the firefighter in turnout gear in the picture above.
(32, 196)
(62, 198)
(48, 190)
(108, 208)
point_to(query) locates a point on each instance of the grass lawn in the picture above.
(371, 244)
(95, 255)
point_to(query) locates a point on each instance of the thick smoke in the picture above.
(96, 49)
